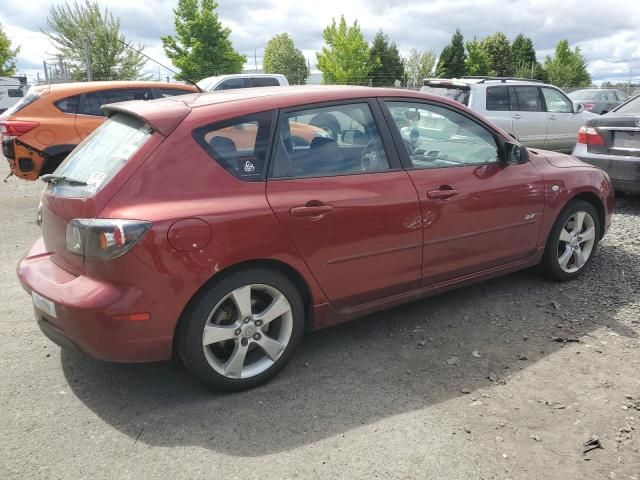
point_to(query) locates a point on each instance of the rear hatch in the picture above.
(452, 89)
(619, 130)
(89, 177)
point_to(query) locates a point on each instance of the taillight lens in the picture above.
(103, 239)
(15, 128)
(589, 136)
(588, 106)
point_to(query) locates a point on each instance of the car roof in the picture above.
(82, 87)
(474, 81)
(165, 114)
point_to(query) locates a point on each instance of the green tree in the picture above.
(7, 55)
(524, 60)
(281, 56)
(419, 65)
(568, 68)
(111, 58)
(498, 51)
(386, 62)
(201, 45)
(477, 61)
(345, 58)
(452, 59)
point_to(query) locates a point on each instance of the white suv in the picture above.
(537, 114)
(243, 80)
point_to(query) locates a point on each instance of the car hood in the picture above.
(560, 160)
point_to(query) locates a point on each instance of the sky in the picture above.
(606, 32)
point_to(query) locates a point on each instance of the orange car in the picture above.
(41, 130)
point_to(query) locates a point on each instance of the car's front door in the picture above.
(528, 115)
(564, 123)
(477, 211)
(347, 205)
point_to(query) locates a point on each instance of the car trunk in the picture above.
(620, 134)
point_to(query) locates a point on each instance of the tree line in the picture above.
(201, 47)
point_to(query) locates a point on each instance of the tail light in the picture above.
(588, 106)
(589, 136)
(15, 128)
(103, 239)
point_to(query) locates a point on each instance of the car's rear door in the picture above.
(348, 206)
(529, 118)
(564, 123)
(477, 212)
(497, 107)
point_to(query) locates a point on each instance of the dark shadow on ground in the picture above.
(369, 369)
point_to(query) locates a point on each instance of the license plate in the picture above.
(44, 304)
(626, 140)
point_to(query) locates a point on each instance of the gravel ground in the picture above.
(466, 385)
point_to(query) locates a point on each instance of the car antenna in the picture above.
(163, 66)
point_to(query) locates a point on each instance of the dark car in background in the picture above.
(612, 142)
(598, 100)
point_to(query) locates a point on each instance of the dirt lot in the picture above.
(467, 385)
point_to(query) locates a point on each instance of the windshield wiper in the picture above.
(52, 178)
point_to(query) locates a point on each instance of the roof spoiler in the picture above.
(162, 119)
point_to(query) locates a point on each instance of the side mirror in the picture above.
(515, 154)
(578, 108)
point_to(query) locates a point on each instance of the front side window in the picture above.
(556, 101)
(437, 137)
(124, 95)
(319, 142)
(528, 99)
(239, 145)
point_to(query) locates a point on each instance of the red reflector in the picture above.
(15, 128)
(132, 317)
(589, 136)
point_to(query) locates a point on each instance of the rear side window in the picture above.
(92, 102)
(101, 155)
(528, 99)
(264, 82)
(239, 145)
(170, 92)
(68, 105)
(498, 99)
(232, 83)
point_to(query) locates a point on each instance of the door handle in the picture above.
(442, 193)
(552, 117)
(516, 116)
(310, 210)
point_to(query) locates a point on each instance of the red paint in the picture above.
(360, 243)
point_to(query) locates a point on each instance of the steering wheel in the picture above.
(370, 162)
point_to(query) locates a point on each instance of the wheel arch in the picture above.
(596, 203)
(291, 273)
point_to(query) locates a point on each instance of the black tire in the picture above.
(550, 265)
(327, 122)
(190, 330)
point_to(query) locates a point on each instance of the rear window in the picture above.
(632, 106)
(26, 100)
(584, 95)
(101, 155)
(458, 93)
(239, 145)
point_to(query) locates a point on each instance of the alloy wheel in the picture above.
(576, 242)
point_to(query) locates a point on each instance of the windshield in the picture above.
(31, 97)
(584, 95)
(100, 156)
(632, 106)
(459, 94)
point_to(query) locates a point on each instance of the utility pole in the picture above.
(255, 59)
(629, 84)
(87, 57)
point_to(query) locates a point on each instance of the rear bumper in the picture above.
(84, 308)
(24, 161)
(624, 171)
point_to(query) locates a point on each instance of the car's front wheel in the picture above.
(572, 241)
(242, 330)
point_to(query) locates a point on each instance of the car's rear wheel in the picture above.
(242, 330)
(572, 241)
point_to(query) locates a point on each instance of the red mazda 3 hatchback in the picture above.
(210, 226)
